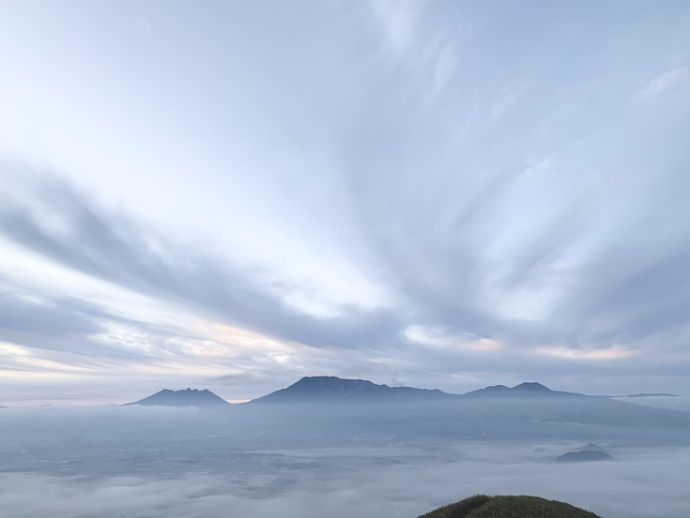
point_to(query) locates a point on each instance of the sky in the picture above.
(233, 195)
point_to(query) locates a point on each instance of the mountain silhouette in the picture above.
(524, 389)
(183, 398)
(532, 386)
(331, 388)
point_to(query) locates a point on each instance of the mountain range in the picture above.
(320, 389)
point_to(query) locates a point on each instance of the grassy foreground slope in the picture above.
(482, 506)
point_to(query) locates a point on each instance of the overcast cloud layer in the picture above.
(233, 195)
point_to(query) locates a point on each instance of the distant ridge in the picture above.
(526, 388)
(183, 398)
(332, 388)
(492, 389)
(584, 456)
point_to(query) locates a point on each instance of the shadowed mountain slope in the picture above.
(331, 388)
(183, 398)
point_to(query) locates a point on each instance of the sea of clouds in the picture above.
(365, 484)
(164, 463)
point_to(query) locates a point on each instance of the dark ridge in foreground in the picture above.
(321, 388)
(482, 506)
(183, 398)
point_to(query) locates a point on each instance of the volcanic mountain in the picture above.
(331, 388)
(183, 398)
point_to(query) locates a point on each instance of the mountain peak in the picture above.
(183, 398)
(334, 383)
(532, 386)
(496, 388)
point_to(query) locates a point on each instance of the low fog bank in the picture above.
(680, 402)
(640, 484)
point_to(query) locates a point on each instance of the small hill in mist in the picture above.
(183, 398)
(482, 506)
(586, 453)
(584, 456)
(331, 388)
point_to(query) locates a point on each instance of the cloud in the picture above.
(438, 337)
(66, 228)
(665, 82)
(608, 353)
(452, 297)
(399, 24)
(507, 97)
(416, 42)
(54, 318)
(445, 66)
(436, 167)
